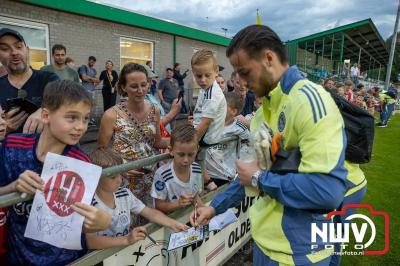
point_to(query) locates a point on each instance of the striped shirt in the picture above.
(167, 186)
(211, 104)
(17, 154)
(221, 158)
(125, 203)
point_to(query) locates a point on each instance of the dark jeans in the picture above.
(153, 88)
(386, 113)
(109, 99)
(182, 95)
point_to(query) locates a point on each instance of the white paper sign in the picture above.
(222, 220)
(52, 219)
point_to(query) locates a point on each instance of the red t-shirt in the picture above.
(349, 96)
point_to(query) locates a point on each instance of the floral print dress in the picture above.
(134, 140)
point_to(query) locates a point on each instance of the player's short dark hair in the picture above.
(64, 92)
(256, 38)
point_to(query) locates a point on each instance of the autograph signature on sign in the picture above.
(67, 181)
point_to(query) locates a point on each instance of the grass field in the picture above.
(383, 193)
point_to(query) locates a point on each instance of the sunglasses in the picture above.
(22, 93)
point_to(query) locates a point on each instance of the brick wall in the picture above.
(84, 36)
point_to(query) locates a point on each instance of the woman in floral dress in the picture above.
(134, 128)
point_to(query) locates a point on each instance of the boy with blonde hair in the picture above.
(210, 111)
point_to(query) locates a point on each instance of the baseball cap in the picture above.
(16, 34)
(150, 73)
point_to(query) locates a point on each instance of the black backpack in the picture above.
(359, 125)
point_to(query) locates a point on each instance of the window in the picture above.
(135, 51)
(36, 37)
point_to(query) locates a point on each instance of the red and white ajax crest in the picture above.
(63, 190)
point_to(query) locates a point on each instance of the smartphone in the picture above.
(25, 105)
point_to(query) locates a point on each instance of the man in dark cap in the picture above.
(20, 82)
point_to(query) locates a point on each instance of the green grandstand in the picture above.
(333, 52)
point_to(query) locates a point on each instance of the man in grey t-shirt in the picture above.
(89, 74)
(59, 67)
(168, 90)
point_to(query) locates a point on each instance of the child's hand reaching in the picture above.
(185, 200)
(138, 233)
(178, 226)
(134, 174)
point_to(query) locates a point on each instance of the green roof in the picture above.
(331, 31)
(104, 12)
(358, 34)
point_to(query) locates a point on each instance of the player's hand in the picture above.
(212, 186)
(245, 171)
(137, 234)
(28, 182)
(95, 219)
(202, 216)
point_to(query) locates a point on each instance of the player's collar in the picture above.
(289, 78)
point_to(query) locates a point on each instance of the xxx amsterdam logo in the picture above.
(63, 190)
(327, 235)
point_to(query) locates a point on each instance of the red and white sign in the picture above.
(52, 219)
(63, 190)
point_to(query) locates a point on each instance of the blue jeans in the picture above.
(355, 80)
(386, 113)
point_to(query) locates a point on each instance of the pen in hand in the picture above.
(151, 239)
(195, 212)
